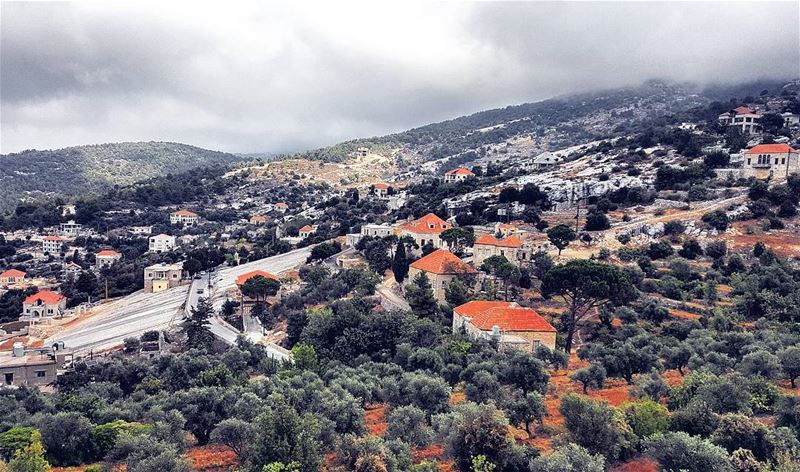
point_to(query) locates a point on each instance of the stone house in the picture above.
(513, 326)
(306, 231)
(43, 304)
(427, 229)
(107, 258)
(771, 161)
(487, 246)
(161, 277)
(441, 267)
(184, 217)
(12, 278)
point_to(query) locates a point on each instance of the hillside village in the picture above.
(627, 268)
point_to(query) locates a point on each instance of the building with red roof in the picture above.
(744, 118)
(441, 267)
(258, 220)
(513, 326)
(52, 244)
(12, 277)
(107, 257)
(245, 277)
(381, 190)
(487, 246)
(426, 230)
(771, 161)
(184, 217)
(457, 175)
(43, 304)
(306, 231)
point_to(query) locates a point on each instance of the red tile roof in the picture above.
(381, 186)
(258, 218)
(245, 277)
(53, 238)
(108, 253)
(743, 110)
(184, 213)
(507, 316)
(12, 273)
(442, 261)
(460, 171)
(489, 240)
(770, 149)
(306, 228)
(281, 204)
(48, 297)
(429, 223)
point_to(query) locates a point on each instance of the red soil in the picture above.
(211, 458)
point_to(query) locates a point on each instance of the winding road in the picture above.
(107, 325)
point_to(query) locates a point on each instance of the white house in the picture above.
(362, 152)
(771, 161)
(426, 230)
(68, 210)
(12, 277)
(184, 217)
(141, 229)
(546, 160)
(457, 175)
(43, 304)
(744, 118)
(107, 257)
(307, 231)
(161, 243)
(52, 244)
(71, 229)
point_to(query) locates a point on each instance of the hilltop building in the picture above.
(546, 160)
(161, 243)
(441, 267)
(68, 210)
(381, 190)
(513, 326)
(771, 161)
(184, 217)
(362, 152)
(457, 175)
(258, 220)
(306, 231)
(43, 304)
(744, 118)
(160, 277)
(247, 303)
(143, 230)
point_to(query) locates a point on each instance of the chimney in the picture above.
(18, 350)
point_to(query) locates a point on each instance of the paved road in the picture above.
(125, 317)
(134, 314)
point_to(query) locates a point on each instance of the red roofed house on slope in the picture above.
(12, 277)
(487, 246)
(184, 217)
(771, 161)
(441, 267)
(427, 229)
(107, 257)
(513, 326)
(306, 231)
(43, 304)
(744, 118)
(457, 175)
(247, 302)
(381, 190)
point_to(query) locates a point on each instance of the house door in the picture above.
(9, 378)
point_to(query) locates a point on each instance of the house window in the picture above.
(41, 373)
(748, 161)
(783, 161)
(9, 378)
(536, 344)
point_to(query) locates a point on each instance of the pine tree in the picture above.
(197, 327)
(400, 263)
(420, 297)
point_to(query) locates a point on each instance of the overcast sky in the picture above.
(257, 77)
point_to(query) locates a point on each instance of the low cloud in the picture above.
(250, 77)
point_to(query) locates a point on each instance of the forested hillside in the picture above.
(87, 169)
